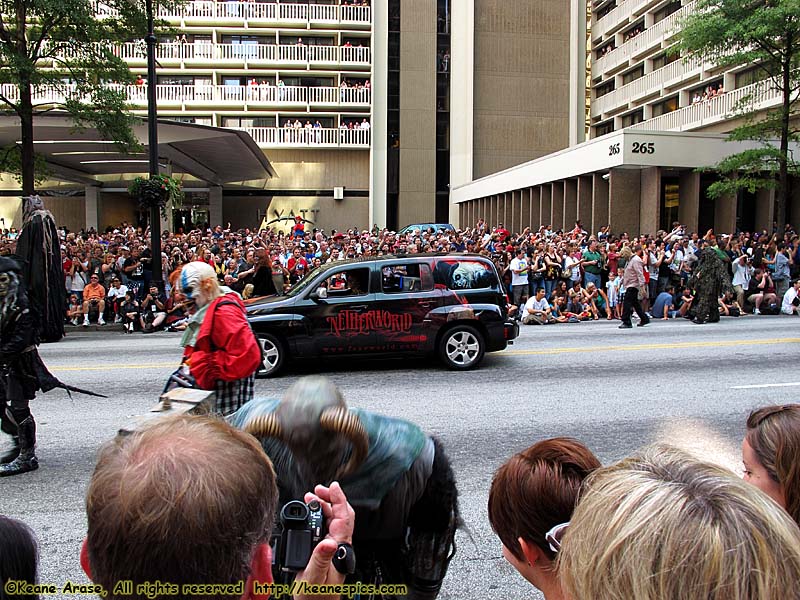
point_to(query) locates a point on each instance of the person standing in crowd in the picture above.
(220, 349)
(519, 278)
(634, 282)
(530, 506)
(592, 263)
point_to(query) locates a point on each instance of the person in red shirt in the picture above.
(220, 349)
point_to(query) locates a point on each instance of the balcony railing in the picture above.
(214, 95)
(276, 137)
(663, 30)
(208, 12)
(763, 95)
(620, 14)
(200, 52)
(655, 81)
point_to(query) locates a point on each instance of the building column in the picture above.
(547, 204)
(689, 199)
(215, 205)
(515, 210)
(584, 201)
(725, 214)
(462, 75)
(650, 205)
(558, 205)
(525, 215)
(624, 190)
(600, 204)
(494, 202)
(570, 203)
(92, 207)
(765, 209)
(536, 207)
(380, 103)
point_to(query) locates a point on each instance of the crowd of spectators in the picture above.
(708, 93)
(551, 275)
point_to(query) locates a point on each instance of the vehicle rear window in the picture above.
(458, 274)
(406, 277)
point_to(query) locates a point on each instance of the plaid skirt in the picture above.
(231, 395)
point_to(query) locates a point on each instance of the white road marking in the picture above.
(765, 385)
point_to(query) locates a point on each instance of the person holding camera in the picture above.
(154, 310)
(94, 295)
(742, 273)
(219, 502)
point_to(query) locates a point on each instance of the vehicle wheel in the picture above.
(462, 348)
(274, 355)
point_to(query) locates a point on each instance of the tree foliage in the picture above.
(61, 46)
(766, 35)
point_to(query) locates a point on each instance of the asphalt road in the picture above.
(614, 390)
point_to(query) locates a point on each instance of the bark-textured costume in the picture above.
(39, 252)
(22, 372)
(397, 478)
(710, 280)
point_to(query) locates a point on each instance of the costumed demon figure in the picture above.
(22, 372)
(710, 280)
(39, 252)
(397, 478)
(221, 352)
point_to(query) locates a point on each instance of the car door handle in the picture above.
(426, 304)
(359, 308)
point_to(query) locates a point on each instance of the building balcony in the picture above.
(270, 14)
(654, 37)
(656, 82)
(703, 114)
(618, 17)
(239, 97)
(289, 137)
(206, 54)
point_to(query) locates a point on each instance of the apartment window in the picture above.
(356, 42)
(319, 41)
(605, 10)
(665, 106)
(603, 128)
(633, 74)
(248, 121)
(633, 31)
(750, 76)
(605, 49)
(636, 116)
(662, 60)
(191, 120)
(666, 11)
(309, 81)
(603, 89)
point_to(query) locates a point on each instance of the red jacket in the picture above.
(227, 353)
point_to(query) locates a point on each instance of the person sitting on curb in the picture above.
(94, 294)
(537, 310)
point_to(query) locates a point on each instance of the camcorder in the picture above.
(299, 529)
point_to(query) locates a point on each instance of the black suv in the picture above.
(452, 305)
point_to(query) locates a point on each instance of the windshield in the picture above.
(302, 285)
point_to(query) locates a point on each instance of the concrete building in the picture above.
(659, 117)
(438, 92)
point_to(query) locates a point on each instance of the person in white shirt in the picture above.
(791, 300)
(742, 273)
(519, 278)
(116, 296)
(537, 310)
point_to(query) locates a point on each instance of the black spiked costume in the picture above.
(39, 253)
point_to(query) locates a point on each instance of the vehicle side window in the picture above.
(409, 277)
(457, 274)
(352, 282)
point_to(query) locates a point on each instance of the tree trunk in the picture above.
(782, 197)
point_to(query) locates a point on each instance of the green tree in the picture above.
(63, 48)
(765, 33)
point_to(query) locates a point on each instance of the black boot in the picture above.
(26, 461)
(7, 426)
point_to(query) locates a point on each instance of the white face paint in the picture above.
(5, 282)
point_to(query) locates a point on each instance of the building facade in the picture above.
(639, 84)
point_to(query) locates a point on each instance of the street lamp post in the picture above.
(152, 144)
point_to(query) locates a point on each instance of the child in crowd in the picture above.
(129, 311)
(74, 310)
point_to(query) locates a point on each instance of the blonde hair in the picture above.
(662, 525)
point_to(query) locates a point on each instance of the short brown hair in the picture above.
(186, 500)
(536, 490)
(773, 433)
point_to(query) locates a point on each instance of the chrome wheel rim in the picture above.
(462, 348)
(271, 355)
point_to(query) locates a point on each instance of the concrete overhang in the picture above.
(212, 154)
(627, 149)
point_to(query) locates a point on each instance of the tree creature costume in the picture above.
(220, 349)
(22, 372)
(39, 251)
(397, 478)
(710, 280)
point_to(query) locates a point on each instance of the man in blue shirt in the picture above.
(664, 305)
